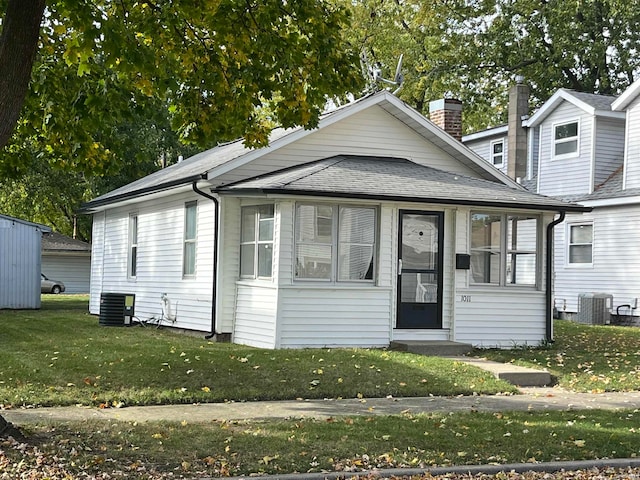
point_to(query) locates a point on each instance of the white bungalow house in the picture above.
(585, 148)
(375, 227)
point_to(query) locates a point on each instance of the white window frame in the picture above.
(555, 142)
(568, 244)
(190, 270)
(132, 248)
(335, 244)
(506, 250)
(493, 155)
(256, 242)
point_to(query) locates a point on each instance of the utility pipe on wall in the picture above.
(549, 279)
(216, 207)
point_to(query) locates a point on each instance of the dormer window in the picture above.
(565, 139)
(497, 153)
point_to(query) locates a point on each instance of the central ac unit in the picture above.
(594, 308)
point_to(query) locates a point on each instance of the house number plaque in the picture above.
(465, 298)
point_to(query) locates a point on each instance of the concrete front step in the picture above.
(514, 374)
(435, 348)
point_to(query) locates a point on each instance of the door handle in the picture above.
(399, 266)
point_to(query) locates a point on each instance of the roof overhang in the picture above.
(484, 134)
(148, 193)
(42, 228)
(563, 95)
(200, 168)
(628, 96)
(391, 180)
(400, 199)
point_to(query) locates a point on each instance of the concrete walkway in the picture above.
(530, 399)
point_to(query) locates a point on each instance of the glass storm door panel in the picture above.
(419, 270)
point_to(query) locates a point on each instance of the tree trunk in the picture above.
(18, 46)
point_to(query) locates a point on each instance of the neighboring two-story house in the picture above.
(581, 147)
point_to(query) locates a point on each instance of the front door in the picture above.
(420, 269)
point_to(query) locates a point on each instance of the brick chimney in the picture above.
(446, 113)
(517, 136)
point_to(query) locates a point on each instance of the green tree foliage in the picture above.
(223, 69)
(120, 87)
(473, 49)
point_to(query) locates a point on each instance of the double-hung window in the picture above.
(256, 241)
(497, 153)
(132, 267)
(580, 247)
(335, 243)
(190, 229)
(504, 249)
(565, 139)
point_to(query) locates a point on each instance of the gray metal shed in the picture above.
(20, 243)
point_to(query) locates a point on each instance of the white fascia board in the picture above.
(555, 100)
(140, 198)
(611, 202)
(297, 134)
(489, 132)
(628, 96)
(610, 114)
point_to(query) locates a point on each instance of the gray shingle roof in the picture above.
(393, 179)
(599, 102)
(611, 188)
(56, 242)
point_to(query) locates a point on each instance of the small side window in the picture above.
(256, 242)
(133, 247)
(580, 244)
(497, 153)
(190, 230)
(565, 139)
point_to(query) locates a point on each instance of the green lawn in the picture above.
(60, 355)
(584, 358)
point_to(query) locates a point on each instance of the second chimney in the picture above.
(517, 136)
(446, 113)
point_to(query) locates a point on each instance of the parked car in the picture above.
(48, 285)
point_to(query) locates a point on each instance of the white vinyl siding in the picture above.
(159, 261)
(500, 318)
(632, 153)
(331, 317)
(569, 174)
(372, 132)
(256, 315)
(609, 151)
(97, 261)
(485, 147)
(616, 258)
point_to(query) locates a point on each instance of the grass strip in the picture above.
(338, 444)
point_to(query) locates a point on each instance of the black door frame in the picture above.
(437, 324)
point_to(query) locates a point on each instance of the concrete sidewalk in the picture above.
(529, 399)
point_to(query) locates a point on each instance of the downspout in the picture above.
(549, 279)
(216, 207)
